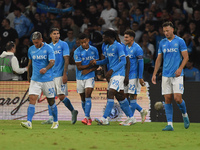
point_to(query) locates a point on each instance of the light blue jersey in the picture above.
(134, 53)
(60, 49)
(40, 59)
(85, 56)
(113, 54)
(22, 25)
(172, 57)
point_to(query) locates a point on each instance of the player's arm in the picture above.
(81, 67)
(29, 70)
(66, 58)
(86, 71)
(49, 66)
(156, 68)
(141, 69)
(126, 80)
(184, 61)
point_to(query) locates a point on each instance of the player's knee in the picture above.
(33, 99)
(51, 101)
(178, 99)
(61, 97)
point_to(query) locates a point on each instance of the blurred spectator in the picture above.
(57, 24)
(181, 28)
(73, 26)
(71, 41)
(165, 16)
(99, 7)
(138, 33)
(9, 64)
(23, 25)
(148, 49)
(107, 16)
(8, 7)
(137, 15)
(190, 44)
(93, 14)
(120, 8)
(193, 31)
(7, 34)
(31, 7)
(196, 18)
(86, 23)
(78, 17)
(190, 72)
(1, 10)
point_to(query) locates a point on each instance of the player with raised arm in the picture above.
(134, 73)
(115, 58)
(172, 49)
(85, 74)
(41, 58)
(61, 51)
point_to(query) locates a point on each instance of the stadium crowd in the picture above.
(19, 19)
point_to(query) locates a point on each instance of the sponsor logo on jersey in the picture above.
(88, 58)
(111, 54)
(57, 52)
(40, 57)
(170, 50)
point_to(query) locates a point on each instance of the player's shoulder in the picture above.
(93, 48)
(48, 46)
(61, 42)
(78, 49)
(179, 38)
(163, 40)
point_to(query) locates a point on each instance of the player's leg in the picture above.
(178, 91)
(88, 104)
(34, 91)
(49, 90)
(110, 103)
(167, 92)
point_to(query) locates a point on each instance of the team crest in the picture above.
(164, 50)
(34, 56)
(45, 51)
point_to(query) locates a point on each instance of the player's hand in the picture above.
(178, 72)
(85, 71)
(43, 70)
(99, 68)
(109, 74)
(93, 62)
(142, 83)
(126, 81)
(65, 79)
(153, 79)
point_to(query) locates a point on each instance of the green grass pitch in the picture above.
(147, 136)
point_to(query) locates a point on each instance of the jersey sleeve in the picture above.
(139, 53)
(182, 45)
(51, 54)
(65, 49)
(77, 56)
(125, 50)
(160, 48)
(120, 50)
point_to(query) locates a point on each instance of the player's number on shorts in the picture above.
(115, 82)
(132, 87)
(51, 91)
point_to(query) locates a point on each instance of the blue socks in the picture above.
(125, 107)
(169, 112)
(88, 105)
(68, 104)
(134, 105)
(30, 112)
(182, 107)
(83, 106)
(109, 106)
(54, 112)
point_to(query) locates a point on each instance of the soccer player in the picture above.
(172, 49)
(41, 58)
(61, 51)
(135, 72)
(85, 74)
(115, 58)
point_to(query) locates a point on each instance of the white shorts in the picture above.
(48, 88)
(133, 87)
(83, 84)
(60, 88)
(172, 85)
(116, 83)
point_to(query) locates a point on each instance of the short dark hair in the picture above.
(7, 20)
(83, 36)
(10, 45)
(130, 32)
(110, 33)
(54, 29)
(168, 23)
(17, 8)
